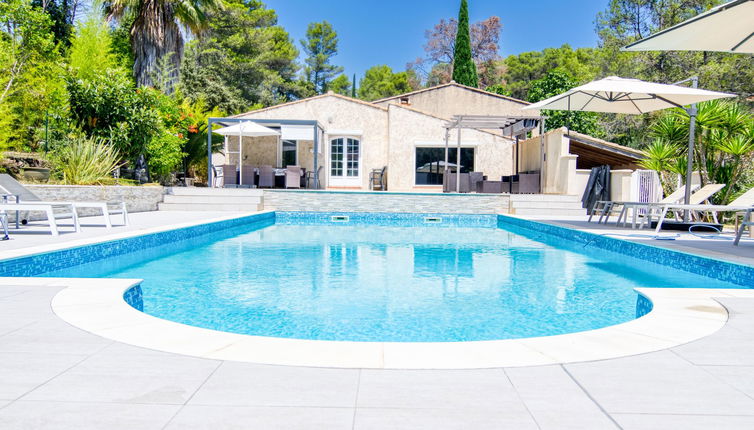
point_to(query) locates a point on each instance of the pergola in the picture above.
(317, 129)
(510, 126)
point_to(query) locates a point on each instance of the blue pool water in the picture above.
(388, 283)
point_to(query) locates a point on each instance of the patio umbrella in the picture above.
(244, 129)
(725, 28)
(633, 96)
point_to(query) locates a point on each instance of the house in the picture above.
(405, 133)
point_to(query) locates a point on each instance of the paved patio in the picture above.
(55, 376)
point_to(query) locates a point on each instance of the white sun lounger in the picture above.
(107, 210)
(743, 203)
(48, 209)
(606, 207)
(747, 222)
(21, 194)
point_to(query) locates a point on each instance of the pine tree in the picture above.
(464, 69)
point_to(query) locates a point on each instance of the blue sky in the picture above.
(391, 32)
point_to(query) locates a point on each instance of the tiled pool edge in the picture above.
(32, 263)
(679, 316)
(706, 266)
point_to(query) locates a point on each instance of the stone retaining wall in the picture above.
(138, 199)
(339, 201)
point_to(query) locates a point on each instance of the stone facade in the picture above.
(389, 135)
(343, 201)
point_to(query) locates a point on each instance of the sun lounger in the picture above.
(743, 203)
(606, 207)
(48, 209)
(4, 222)
(747, 222)
(24, 195)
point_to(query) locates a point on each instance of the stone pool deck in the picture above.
(55, 376)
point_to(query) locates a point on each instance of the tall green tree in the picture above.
(31, 70)
(380, 82)
(320, 46)
(523, 69)
(552, 84)
(90, 54)
(156, 29)
(245, 60)
(62, 14)
(464, 69)
(341, 85)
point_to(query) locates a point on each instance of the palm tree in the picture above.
(156, 31)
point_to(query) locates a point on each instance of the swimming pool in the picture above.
(393, 278)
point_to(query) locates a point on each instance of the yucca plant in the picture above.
(86, 161)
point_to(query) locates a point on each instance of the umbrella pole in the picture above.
(458, 162)
(690, 157)
(445, 168)
(240, 154)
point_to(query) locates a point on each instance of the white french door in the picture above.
(345, 162)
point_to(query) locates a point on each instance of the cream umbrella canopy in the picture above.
(725, 28)
(634, 96)
(244, 129)
(629, 96)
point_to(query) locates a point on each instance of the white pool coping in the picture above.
(97, 305)
(679, 316)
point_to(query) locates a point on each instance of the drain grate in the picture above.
(432, 220)
(340, 218)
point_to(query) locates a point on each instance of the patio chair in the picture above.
(475, 179)
(313, 179)
(230, 176)
(293, 177)
(525, 183)
(490, 187)
(266, 177)
(377, 179)
(450, 181)
(247, 176)
(744, 202)
(606, 207)
(25, 196)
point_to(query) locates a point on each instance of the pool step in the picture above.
(212, 199)
(193, 207)
(546, 204)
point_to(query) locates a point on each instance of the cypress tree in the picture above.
(464, 69)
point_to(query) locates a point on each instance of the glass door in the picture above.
(345, 160)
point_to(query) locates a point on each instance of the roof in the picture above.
(604, 144)
(321, 96)
(452, 84)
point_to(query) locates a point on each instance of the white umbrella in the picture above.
(725, 28)
(633, 96)
(630, 96)
(244, 129)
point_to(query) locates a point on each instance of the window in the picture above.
(289, 153)
(344, 157)
(430, 163)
